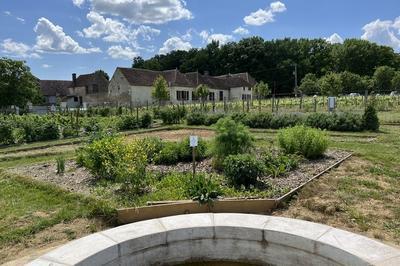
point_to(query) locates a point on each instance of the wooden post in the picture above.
(366, 98)
(301, 101)
(225, 105)
(315, 104)
(273, 102)
(243, 104)
(277, 105)
(137, 115)
(248, 105)
(194, 161)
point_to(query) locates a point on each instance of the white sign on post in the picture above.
(331, 103)
(194, 141)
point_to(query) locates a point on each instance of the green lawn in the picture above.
(27, 207)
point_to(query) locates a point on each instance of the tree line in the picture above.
(273, 61)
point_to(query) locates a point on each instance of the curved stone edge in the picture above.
(334, 244)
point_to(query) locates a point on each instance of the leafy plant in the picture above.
(203, 189)
(196, 118)
(172, 115)
(279, 164)
(231, 138)
(242, 169)
(127, 122)
(309, 142)
(60, 161)
(370, 118)
(146, 120)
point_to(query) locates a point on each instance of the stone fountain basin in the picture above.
(245, 238)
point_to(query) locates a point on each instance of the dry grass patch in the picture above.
(353, 199)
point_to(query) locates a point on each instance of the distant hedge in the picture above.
(345, 121)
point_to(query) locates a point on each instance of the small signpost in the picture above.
(194, 142)
(331, 104)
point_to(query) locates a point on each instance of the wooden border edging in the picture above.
(257, 206)
(170, 208)
(295, 190)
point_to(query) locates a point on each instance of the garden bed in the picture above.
(78, 179)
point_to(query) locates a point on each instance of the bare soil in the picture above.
(175, 135)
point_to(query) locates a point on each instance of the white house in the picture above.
(134, 86)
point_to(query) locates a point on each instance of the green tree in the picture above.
(309, 84)
(351, 83)
(261, 90)
(383, 77)
(396, 81)
(202, 92)
(17, 84)
(330, 84)
(103, 73)
(160, 90)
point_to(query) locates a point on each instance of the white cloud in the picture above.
(334, 38)
(241, 31)
(221, 38)
(144, 12)
(115, 31)
(46, 66)
(7, 13)
(51, 38)
(20, 19)
(78, 3)
(17, 49)
(119, 52)
(112, 30)
(277, 7)
(263, 16)
(145, 32)
(173, 44)
(383, 32)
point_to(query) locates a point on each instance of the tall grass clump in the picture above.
(302, 140)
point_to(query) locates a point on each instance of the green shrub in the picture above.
(347, 122)
(231, 138)
(211, 119)
(242, 169)
(195, 118)
(110, 158)
(175, 152)
(146, 120)
(168, 155)
(203, 189)
(259, 120)
(127, 122)
(6, 132)
(60, 161)
(309, 142)
(279, 164)
(370, 118)
(185, 151)
(152, 147)
(69, 131)
(172, 115)
(286, 120)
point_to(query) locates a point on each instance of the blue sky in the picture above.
(59, 37)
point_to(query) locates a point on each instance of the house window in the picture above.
(211, 96)
(95, 88)
(182, 95)
(75, 99)
(244, 88)
(87, 89)
(246, 96)
(221, 95)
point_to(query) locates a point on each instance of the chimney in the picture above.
(74, 79)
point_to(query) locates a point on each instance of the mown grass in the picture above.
(362, 195)
(27, 207)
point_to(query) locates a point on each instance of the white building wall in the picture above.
(236, 93)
